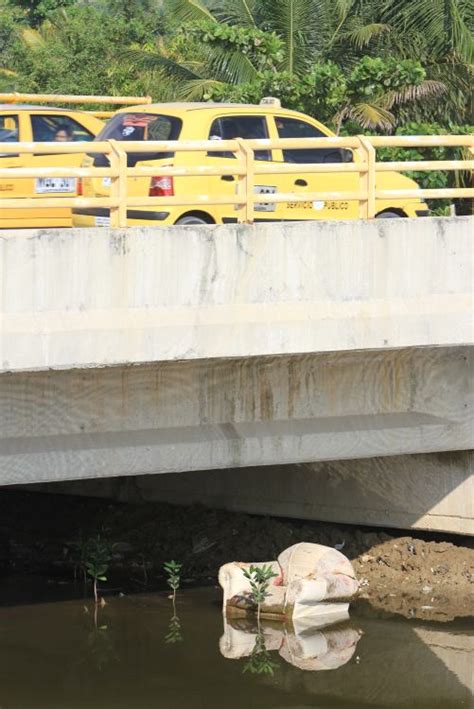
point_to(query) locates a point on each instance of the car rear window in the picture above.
(141, 127)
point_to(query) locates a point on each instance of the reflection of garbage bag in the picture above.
(238, 638)
(320, 649)
(306, 647)
(306, 574)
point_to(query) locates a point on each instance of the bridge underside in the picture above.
(367, 410)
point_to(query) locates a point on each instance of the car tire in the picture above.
(388, 215)
(191, 220)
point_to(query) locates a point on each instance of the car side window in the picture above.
(246, 127)
(295, 128)
(9, 132)
(58, 128)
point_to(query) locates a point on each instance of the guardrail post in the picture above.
(118, 187)
(367, 179)
(246, 182)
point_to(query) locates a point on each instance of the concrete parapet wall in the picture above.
(90, 298)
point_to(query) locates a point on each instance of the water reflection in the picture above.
(174, 634)
(325, 643)
(260, 661)
(53, 657)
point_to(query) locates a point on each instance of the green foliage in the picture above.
(173, 571)
(371, 74)
(260, 661)
(362, 64)
(264, 49)
(77, 52)
(259, 578)
(93, 555)
(38, 10)
(96, 556)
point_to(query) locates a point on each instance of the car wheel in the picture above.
(191, 220)
(388, 215)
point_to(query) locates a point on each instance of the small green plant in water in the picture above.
(173, 570)
(97, 554)
(260, 661)
(259, 578)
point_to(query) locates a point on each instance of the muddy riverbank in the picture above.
(416, 576)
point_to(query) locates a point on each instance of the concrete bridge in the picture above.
(318, 370)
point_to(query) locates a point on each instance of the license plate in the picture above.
(263, 206)
(46, 185)
(102, 221)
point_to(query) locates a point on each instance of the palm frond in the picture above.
(371, 116)
(230, 67)
(362, 36)
(236, 12)
(444, 24)
(180, 11)
(296, 22)
(34, 39)
(407, 94)
(343, 7)
(195, 89)
(153, 61)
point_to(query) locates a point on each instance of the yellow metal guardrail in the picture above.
(246, 168)
(16, 97)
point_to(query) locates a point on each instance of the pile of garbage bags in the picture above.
(306, 575)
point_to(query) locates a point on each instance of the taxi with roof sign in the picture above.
(207, 121)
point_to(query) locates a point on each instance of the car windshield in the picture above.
(140, 127)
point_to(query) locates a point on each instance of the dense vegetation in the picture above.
(354, 64)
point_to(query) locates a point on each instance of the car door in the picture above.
(288, 126)
(227, 127)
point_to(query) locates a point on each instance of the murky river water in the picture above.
(52, 656)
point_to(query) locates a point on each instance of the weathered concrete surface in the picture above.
(87, 298)
(192, 416)
(178, 416)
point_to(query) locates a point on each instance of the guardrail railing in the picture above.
(15, 97)
(245, 168)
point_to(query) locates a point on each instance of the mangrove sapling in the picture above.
(97, 560)
(259, 578)
(173, 570)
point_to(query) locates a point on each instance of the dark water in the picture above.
(52, 656)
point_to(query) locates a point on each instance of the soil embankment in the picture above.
(416, 576)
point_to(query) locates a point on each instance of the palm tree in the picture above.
(440, 33)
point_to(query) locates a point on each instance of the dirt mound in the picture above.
(424, 579)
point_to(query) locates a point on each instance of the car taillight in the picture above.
(161, 187)
(79, 187)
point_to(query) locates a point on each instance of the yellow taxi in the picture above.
(205, 121)
(19, 123)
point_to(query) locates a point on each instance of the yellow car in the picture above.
(204, 121)
(40, 124)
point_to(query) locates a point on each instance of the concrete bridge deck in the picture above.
(335, 351)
